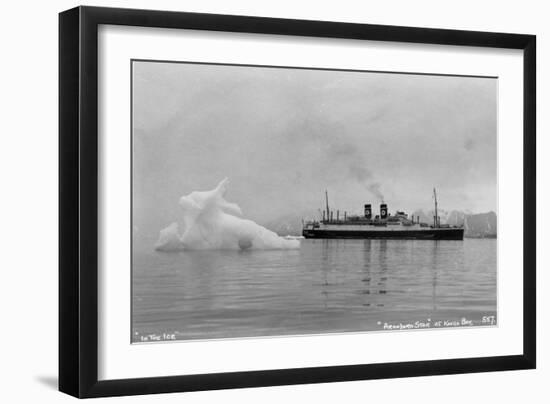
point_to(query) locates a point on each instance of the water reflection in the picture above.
(366, 280)
(325, 268)
(434, 274)
(383, 265)
(326, 286)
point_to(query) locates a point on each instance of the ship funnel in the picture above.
(383, 211)
(368, 211)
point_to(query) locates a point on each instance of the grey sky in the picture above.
(283, 136)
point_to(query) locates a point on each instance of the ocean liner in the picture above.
(383, 226)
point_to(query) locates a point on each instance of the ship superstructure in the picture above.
(382, 226)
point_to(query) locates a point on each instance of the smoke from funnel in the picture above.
(364, 177)
(347, 153)
(374, 188)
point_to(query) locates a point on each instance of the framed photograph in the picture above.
(250, 201)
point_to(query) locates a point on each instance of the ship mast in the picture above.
(436, 219)
(326, 199)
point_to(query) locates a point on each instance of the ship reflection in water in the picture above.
(327, 286)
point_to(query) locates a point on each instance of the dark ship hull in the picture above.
(412, 234)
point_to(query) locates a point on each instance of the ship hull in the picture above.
(424, 234)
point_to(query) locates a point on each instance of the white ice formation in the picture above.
(209, 222)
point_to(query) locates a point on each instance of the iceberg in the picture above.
(209, 222)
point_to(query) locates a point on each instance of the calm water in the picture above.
(326, 286)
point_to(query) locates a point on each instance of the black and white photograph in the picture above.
(272, 201)
(211, 201)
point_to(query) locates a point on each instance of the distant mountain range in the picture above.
(476, 225)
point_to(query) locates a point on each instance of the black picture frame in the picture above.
(78, 201)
